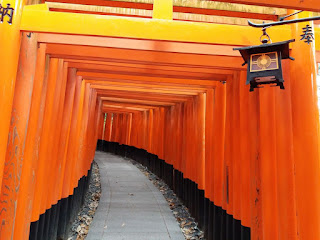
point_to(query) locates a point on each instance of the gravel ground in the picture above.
(80, 226)
(187, 224)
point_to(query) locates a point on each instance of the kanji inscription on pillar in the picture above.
(307, 35)
(6, 13)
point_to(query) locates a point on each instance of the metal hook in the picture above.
(265, 34)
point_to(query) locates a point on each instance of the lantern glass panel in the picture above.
(264, 61)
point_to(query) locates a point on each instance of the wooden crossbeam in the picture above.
(309, 5)
(158, 58)
(35, 20)
(167, 81)
(136, 101)
(138, 44)
(145, 96)
(143, 9)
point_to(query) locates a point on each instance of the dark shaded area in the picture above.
(56, 222)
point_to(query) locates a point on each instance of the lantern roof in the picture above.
(282, 47)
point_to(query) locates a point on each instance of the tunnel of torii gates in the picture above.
(168, 93)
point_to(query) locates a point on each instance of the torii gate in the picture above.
(279, 197)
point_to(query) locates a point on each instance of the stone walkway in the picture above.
(131, 207)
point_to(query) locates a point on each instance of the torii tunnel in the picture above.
(158, 82)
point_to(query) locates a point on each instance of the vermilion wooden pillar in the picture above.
(91, 139)
(29, 167)
(179, 136)
(144, 132)
(218, 143)
(190, 138)
(201, 127)
(130, 124)
(255, 165)
(19, 123)
(65, 129)
(117, 127)
(162, 134)
(39, 104)
(40, 188)
(56, 163)
(108, 127)
(100, 124)
(133, 139)
(82, 127)
(209, 143)
(287, 217)
(9, 55)
(244, 146)
(236, 140)
(184, 140)
(305, 123)
(227, 180)
(168, 140)
(114, 126)
(76, 166)
(49, 156)
(69, 167)
(268, 168)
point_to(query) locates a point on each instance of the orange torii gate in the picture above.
(168, 93)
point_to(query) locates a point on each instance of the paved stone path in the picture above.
(131, 207)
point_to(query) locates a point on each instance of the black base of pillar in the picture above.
(56, 222)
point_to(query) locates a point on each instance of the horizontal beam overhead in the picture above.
(145, 57)
(137, 101)
(127, 106)
(151, 75)
(148, 86)
(181, 88)
(120, 110)
(189, 7)
(138, 44)
(309, 5)
(145, 96)
(145, 90)
(147, 67)
(41, 20)
(109, 3)
(142, 90)
(140, 79)
(134, 8)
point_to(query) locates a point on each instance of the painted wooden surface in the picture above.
(173, 88)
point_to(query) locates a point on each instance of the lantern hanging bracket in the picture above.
(282, 22)
(290, 15)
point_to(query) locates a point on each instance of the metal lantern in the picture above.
(264, 63)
